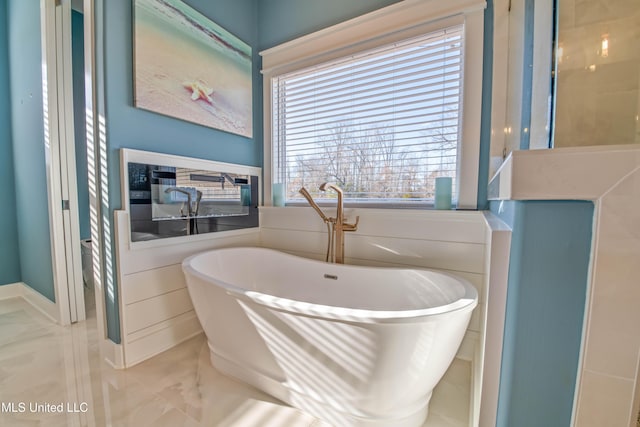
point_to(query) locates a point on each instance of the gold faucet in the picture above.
(336, 227)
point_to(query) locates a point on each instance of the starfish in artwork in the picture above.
(199, 90)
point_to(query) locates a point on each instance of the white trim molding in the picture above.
(608, 384)
(11, 290)
(95, 135)
(498, 240)
(400, 21)
(138, 156)
(41, 303)
(51, 82)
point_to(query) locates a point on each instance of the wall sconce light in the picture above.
(604, 49)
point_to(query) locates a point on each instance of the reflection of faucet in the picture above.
(192, 212)
(335, 226)
(183, 191)
(227, 177)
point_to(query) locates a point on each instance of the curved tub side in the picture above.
(345, 372)
(229, 330)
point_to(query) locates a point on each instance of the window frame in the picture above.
(400, 21)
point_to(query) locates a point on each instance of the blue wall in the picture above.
(284, 20)
(548, 277)
(9, 248)
(129, 127)
(25, 65)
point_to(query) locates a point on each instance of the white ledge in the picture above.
(576, 173)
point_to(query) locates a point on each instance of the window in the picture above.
(382, 122)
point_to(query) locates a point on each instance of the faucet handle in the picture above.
(351, 227)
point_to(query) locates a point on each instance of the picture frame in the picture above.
(188, 67)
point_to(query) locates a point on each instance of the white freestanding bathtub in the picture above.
(355, 346)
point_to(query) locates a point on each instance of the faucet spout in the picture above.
(335, 226)
(340, 208)
(313, 204)
(329, 221)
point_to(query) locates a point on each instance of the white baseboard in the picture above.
(113, 353)
(159, 339)
(41, 303)
(13, 290)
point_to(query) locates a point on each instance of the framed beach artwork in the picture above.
(188, 67)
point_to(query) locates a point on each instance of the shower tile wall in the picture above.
(611, 344)
(598, 73)
(608, 389)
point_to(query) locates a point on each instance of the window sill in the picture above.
(371, 205)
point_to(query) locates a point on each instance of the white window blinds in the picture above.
(382, 124)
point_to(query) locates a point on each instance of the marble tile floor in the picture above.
(46, 368)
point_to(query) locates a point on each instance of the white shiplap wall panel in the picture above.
(294, 241)
(183, 318)
(145, 345)
(148, 312)
(448, 226)
(142, 257)
(155, 306)
(150, 283)
(443, 226)
(454, 256)
(292, 218)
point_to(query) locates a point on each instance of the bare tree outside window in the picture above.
(382, 125)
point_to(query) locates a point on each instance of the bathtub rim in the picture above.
(467, 303)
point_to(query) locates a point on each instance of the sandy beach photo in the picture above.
(190, 68)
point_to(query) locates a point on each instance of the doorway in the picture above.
(68, 45)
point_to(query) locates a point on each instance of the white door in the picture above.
(60, 158)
